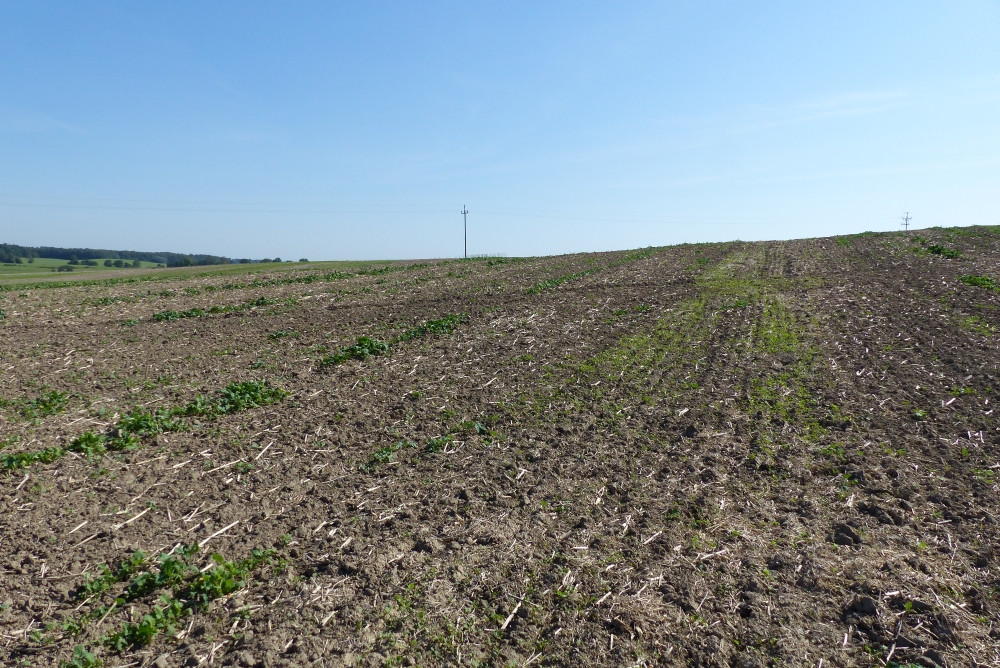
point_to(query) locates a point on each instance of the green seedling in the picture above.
(81, 659)
(438, 444)
(48, 404)
(445, 325)
(980, 281)
(281, 334)
(128, 432)
(191, 595)
(362, 350)
(385, 454)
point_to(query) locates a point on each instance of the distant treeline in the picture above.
(17, 254)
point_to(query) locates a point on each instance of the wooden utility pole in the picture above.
(465, 227)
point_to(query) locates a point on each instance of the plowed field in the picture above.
(742, 454)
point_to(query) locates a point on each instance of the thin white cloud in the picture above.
(21, 121)
(843, 105)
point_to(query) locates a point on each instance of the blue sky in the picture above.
(335, 130)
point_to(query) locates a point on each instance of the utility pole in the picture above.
(465, 227)
(906, 221)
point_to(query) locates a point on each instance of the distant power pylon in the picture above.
(465, 227)
(906, 221)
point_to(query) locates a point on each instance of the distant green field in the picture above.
(46, 266)
(43, 271)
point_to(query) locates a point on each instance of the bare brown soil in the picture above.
(743, 454)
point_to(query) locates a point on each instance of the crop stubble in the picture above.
(730, 454)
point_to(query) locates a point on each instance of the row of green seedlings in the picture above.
(368, 347)
(980, 281)
(387, 453)
(128, 432)
(51, 403)
(166, 316)
(117, 299)
(183, 590)
(327, 277)
(559, 280)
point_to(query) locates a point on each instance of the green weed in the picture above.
(445, 325)
(978, 325)
(438, 444)
(48, 404)
(385, 454)
(192, 591)
(128, 432)
(980, 281)
(944, 251)
(81, 659)
(362, 350)
(20, 460)
(281, 334)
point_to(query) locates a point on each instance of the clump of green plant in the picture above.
(81, 659)
(980, 281)
(164, 316)
(172, 569)
(20, 460)
(141, 422)
(445, 325)
(128, 432)
(96, 586)
(362, 350)
(834, 451)
(281, 334)
(438, 444)
(89, 444)
(944, 251)
(47, 404)
(130, 322)
(559, 280)
(250, 394)
(189, 595)
(978, 325)
(385, 454)
(106, 301)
